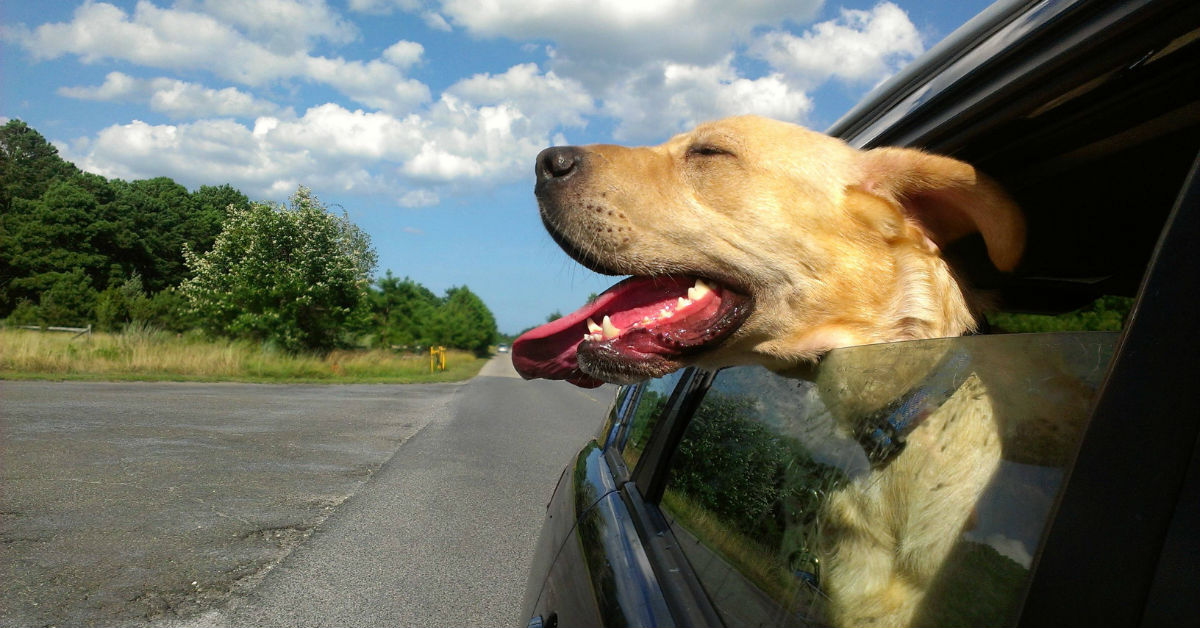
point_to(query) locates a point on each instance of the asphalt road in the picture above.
(233, 504)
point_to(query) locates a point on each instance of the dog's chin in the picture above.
(605, 363)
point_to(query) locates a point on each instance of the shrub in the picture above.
(292, 277)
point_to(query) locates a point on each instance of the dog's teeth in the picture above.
(682, 303)
(697, 292)
(665, 313)
(593, 328)
(610, 330)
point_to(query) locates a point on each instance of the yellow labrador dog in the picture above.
(752, 241)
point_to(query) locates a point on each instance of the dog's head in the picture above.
(751, 240)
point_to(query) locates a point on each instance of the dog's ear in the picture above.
(949, 199)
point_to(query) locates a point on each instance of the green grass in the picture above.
(149, 355)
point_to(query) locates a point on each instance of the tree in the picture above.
(61, 232)
(28, 164)
(464, 322)
(290, 276)
(122, 304)
(403, 311)
(211, 205)
(69, 299)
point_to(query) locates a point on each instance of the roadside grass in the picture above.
(152, 355)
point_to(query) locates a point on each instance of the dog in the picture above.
(754, 241)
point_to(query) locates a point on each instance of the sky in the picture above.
(421, 119)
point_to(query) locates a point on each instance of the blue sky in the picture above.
(422, 118)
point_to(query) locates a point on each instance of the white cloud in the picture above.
(654, 67)
(435, 21)
(178, 39)
(284, 26)
(418, 198)
(475, 134)
(546, 98)
(383, 6)
(403, 53)
(373, 83)
(621, 34)
(174, 98)
(660, 100)
(859, 46)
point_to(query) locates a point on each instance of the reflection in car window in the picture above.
(617, 414)
(653, 399)
(928, 467)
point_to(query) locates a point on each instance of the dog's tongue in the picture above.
(549, 351)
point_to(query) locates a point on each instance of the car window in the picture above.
(769, 463)
(651, 402)
(617, 414)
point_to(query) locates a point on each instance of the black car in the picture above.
(696, 504)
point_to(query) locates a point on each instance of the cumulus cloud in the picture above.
(667, 97)
(547, 97)
(403, 54)
(175, 98)
(651, 68)
(383, 6)
(179, 39)
(284, 26)
(476, 133)
(613, 35)
(859, 46)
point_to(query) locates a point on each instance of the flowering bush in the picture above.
(294, 276)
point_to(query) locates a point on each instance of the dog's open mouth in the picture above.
(637, 329)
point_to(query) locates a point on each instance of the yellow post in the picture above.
(442, 351)
(432, 353)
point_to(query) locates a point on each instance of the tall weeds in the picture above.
(146, 353)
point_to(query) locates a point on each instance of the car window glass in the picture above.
(617, 414)
(650, 404)
(804, 498)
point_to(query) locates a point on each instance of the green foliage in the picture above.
(402, 312)
(290, 276)
(120, 305)
(171, 311)
(77, 247)
(464, 322)
(55, 219)
(757, 482)
(1107, 313)
(68, 301)
(728, 464)
(28, 164)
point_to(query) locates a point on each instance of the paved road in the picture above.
(209, 505)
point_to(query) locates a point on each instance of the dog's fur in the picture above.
(837, 247)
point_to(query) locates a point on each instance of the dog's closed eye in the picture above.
(708, 150)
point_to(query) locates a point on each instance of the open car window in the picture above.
(767, 458)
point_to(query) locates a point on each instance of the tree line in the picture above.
(77, 249)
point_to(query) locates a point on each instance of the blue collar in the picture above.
(882, 433)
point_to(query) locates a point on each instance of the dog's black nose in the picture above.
(557, 162)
